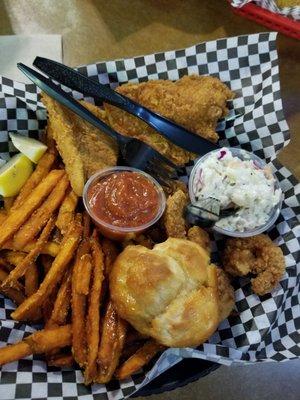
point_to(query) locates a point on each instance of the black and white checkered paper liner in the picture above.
(263, 329)
(293, 12)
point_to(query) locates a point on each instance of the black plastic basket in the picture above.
(186, 371)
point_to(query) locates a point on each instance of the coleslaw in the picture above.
(242, 184)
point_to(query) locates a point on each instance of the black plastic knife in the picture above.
(88, 87)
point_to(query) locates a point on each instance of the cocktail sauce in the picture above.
(123, 199)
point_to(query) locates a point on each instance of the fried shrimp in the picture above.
(257, 255)
(226, 294)
(199, 236)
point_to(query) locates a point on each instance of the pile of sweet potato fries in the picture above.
(55, 268)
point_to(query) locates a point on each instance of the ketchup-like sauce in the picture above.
(124, 199)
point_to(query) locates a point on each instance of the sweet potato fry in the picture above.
(50, 339)
(14, 352)
(3, 215)
(78, 325)
(67, 211)
(86, 225)
(14, 257)
(47, 307)
(31, 280)
(6, 265)
(8, 202)
(30, 258)
(39, 218)
(55, 274)
(46, 261)
(111, 345)
(50, 248)
(79, 307)
(84, 262)
(139, 359)
(60, 307)
(39, 342)
(15, 294)
(130, 349)
(111, 252)
(62, 303)
(57, 236)
(84, 272)
(43, 167)
(93, 317)
(16, 285)
(61, 361)
(35, 198)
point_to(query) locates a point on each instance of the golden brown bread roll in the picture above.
(169, 292)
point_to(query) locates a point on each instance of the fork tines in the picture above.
(161, 170)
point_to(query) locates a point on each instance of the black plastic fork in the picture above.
(134, 152)
(89, 87)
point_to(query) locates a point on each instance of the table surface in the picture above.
(95, 30)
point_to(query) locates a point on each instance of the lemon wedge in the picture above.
(14, 174)
(32, 148)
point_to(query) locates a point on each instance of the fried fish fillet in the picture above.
(173, 218)
(83, 148)
(195, 102)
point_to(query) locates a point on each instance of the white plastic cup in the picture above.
(245, 156)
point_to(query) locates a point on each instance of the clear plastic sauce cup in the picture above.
(122, 211)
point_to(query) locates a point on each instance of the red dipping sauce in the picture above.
(123, 201)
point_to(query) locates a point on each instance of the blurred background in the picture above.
(85, 31)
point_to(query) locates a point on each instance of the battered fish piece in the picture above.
(200, 236)
(83, 148)
(257, 255)
(175, 185)
(174, 220)
(195, 102)
(226, 294)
